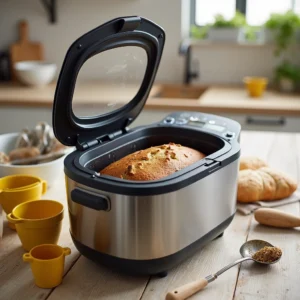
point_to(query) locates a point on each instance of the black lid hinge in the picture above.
(109, 137)
(86, 145)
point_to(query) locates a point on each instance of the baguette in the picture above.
(264, 184)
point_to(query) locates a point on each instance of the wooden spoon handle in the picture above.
(23, 31)
(187, 290)
(276, 218)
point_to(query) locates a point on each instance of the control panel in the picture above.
(227, 128)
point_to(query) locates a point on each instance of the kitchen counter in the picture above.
(216, 99)
(85, 280)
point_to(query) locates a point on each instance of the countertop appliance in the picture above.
(142, 227)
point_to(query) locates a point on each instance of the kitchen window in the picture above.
(257, 11)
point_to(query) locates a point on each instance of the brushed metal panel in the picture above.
(148, 227)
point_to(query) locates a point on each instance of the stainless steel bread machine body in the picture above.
(144, 227)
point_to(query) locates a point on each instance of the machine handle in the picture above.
(277, 122)
(90, 200)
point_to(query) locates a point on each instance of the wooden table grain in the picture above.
(83, 279)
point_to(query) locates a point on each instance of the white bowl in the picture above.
(35, 73)
(48, 171)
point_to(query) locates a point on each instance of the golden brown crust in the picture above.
(285, 185)
(153, 163)
(264, 184)
(250, 186)
(252, 163)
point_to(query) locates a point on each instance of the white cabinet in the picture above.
(13, 119)
(259, 122)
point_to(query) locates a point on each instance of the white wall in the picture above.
(76, 17)
(229, 64)
(218, 64)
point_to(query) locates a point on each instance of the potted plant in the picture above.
(227, 30)
(282, 29)
(287, 76)
(253, 34)
(199, 33)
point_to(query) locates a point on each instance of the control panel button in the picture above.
(169, 120)
(194, 119)
(229, 135)
(181, 121)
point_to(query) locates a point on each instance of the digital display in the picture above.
(214, 127)
(196, 123)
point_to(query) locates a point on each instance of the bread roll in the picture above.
(26, 152)
(252, 163)
(153, 163)
(264, 184)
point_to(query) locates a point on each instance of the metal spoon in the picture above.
(247, 250)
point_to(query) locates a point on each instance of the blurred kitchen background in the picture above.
(237, 58)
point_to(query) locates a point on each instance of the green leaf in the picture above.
(237, 21)
(287, 70)
(284, 27)
(197, 32)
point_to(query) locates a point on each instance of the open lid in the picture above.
(73, 130)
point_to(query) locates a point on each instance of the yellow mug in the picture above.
(256, 86)
(37, 222)
(47, 264)
(17, 189)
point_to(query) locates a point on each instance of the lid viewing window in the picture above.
(123, 56)
(111, 79)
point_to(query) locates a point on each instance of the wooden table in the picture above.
(85, 280)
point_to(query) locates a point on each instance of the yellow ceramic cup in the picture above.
(255, 86)
(47, 264)
(37, 222)
(17, 189)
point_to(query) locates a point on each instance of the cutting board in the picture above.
(24, 49)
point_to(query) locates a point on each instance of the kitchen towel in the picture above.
(249, 208)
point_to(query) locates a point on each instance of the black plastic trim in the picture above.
(81, 174)
(120, 32)
(90, 200)
(152, 266)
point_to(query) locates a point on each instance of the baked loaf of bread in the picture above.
(153, 163)
(264, 184)
(251, 162)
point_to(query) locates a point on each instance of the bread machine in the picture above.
(144, 227)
